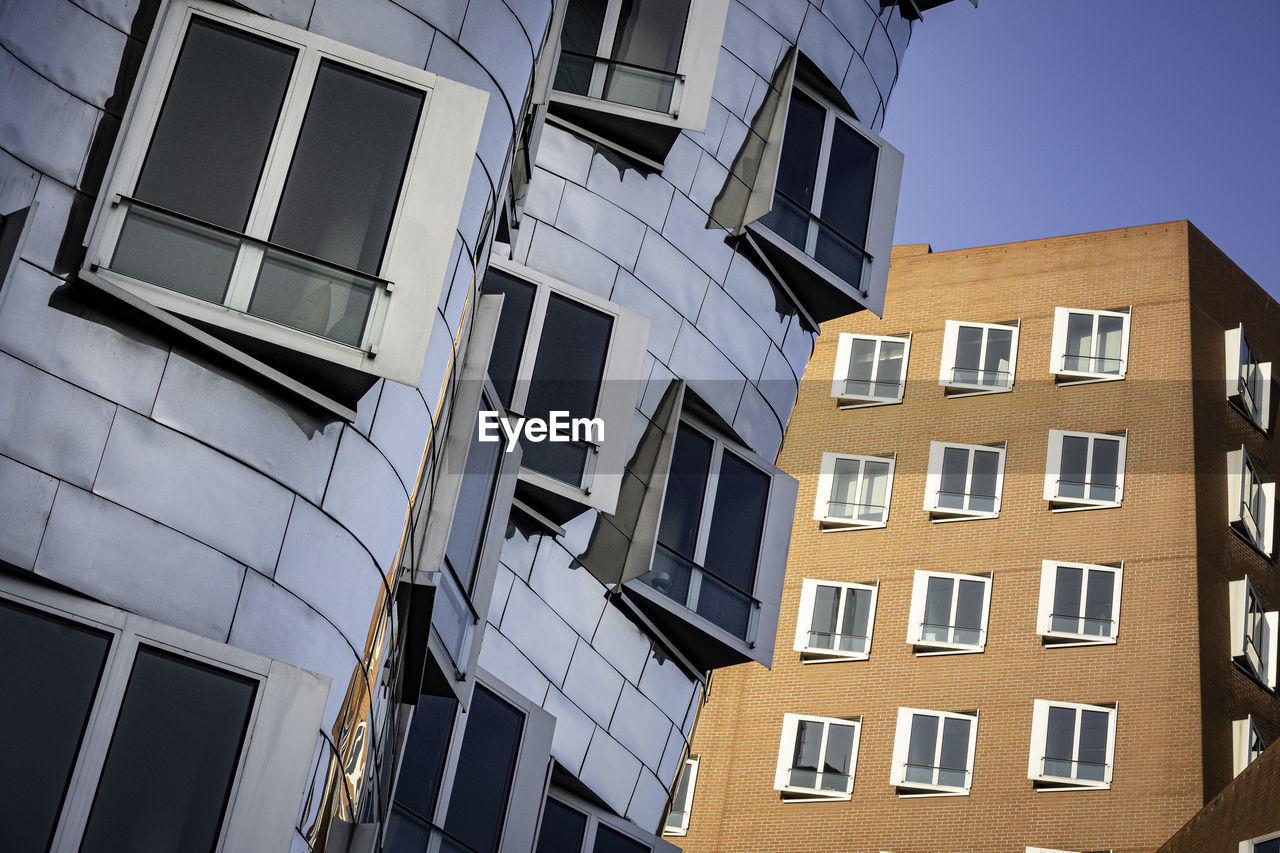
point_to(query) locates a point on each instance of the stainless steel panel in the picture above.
(798, 345)
(568, 259)
(783, 15)
(17, 183)
(671, 756)
(401, 429)
(543, 200)
(366, 496)
(51, 425)
(753, 41)
(821, 42)
(860, 90)
(378, 26)
(709, 180)
(491, 33)
(435, 367)
(326, 567)
(127, 560)
(26, 496)
(756, 422)
(534, 16)
(118, 13)
(573, 731)
(600, 224)
(563, 154)
(296, 13)
(854, 19)
(882, 60)
(592, 684)
(46, 231)
(184, 484)
(733, 332)
(667, 685)
(42, 125)
(759, 297)
(506, 663)
(735, 132)
(779, 385)
(709, 374)
(573, 593)
(644, 195)
(539, 633)
(654, 388)
(733, 84)
(682, 162)
(622, 643)
(686, 229)
(65, 45)
(124, 366)
(665, 270)
(900, 34)
(268, 432)
(444, 15)
(449, 60)
(479, 198)
(640, 727)
(521, 546)
(710, 136)
(610, 772)
(648, 802)
(630, 292)
(502, 581)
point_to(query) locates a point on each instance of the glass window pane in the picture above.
(826, 610)
(686, 485)
(737, 523)
(1079, 343)
(1092, 763)
(167, 252)
(857, 618)
(313, 297)
(802, 140)
(172, 759)
(211, 139)
(58, 664)
(486, 765)
(472, 509)
(611, 841)
(583, 21)
(838, 759)
(1104, 473)
(889, 377)
(921, 748)
(562, 828)
(937, 610)
(969, 597)
(862, 365)
(1110, 338)
(513, 326)
(953, 763)
(650, 33)
(846, 199)
(982, 486)
(425, 751)
(968, 354)
(1071, 473)
(955, 471)
(998, 357)
(1066, 600)
(1059, 742)
(872, 502)
(348, 167)
(844, 489)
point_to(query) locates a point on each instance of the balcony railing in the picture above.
(1100, 364)
(619, 82)
(408, 833)
(979, 376)
(805, 230)
(818, 780)
(1090, 490)
(932, 774)
(688, 585)
(970, 501)
(877, 389)
(1072, 768)
(826, 641)
(961, 635)
(846, 511)
(1089, 626)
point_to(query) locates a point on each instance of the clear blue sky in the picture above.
(1034, 118)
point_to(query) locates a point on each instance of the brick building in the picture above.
(1030, 596)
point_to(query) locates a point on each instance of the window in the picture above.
(1079, 603)
(949, 613)
(572, 825)
(835, 620)
(834, 199)
(1246, 744)
(589, 370)
(1089, 346)
(137, 731)
(1072, 745)
(677, 822)
(1265, 844)
(1084, 470)
(933, 753)
(1253, 634)
(964, 481)
(1248, 380)
(978, 358)
(1250, 502)
(325, 180)
(636, 71)
(853, 491)
(871, 370)
(817, 757)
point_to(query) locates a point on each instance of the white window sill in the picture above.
(1054, 784)
(1248, 540)
(931, 648)
(829, 656)
(940, 516)
(854, 402)
(1078, 504)
(917, 790)
(1059, 640)
(1072, 377)
(840, 525)
(965, 389)
(812, 795)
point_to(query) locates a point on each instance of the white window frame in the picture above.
(420, 238)
(279, 738)
(786, 751)
(1252, 844)
(1055, 850)
(1039, 735)
(1246, 612)
(902, 741)
(844, 353)
(826, 482)
(1242, 479)
(620, 383)
(947, 367)
(933, 482)
(915, 619)
(1053, 470)
(808, 594)
(677, 822)
(1057, 358)
(1240, 358)
(1048, 587)
(1246, 744)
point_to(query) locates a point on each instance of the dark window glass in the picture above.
(857, 615)
(838, 758)
(610, 841)
(172, 759)
(1098, 603)
(804, 759)
(1075, 452)
(162, 250)
(513, 327)
(1272, 846)
(472, 510)
(921, 748)
(424, 755)
(846, 200)
(955, 472)
(937, 609)
(686, 485)
(583, 22)
(969, 597)
(1066, 599)
(57, 664)
(566, 378)
(1059, 742)
(798, 163)
(954, 759)
(650, 33)
(486, 765)
(889, 378)
(737, 522)
(211, 139)
(1094, 726)
(347, 168)
(826, 609)
(968, 354)
(982, 485)
(998, 357)
(562, 829)
(1104, 477)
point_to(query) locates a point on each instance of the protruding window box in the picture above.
(853, 491)
(978, 358)
(1248, 380)
(1251, 503)
(1079, 603)
(871, 370)
(933, 753)
(1072, 745)
(949, 613)
(964, 481)
(817, 758)
(1253, 634)
(835, 620)
(1089, 346)
(1084, 470)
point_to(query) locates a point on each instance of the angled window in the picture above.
(871, 370)
(1079, 603)
(570, 824)
(964, 481)
(1269, 843)
(1253, 634)
(586, 376)
(1084, 470)
(853, 491)
(120, 706)
(1089, 345)
(288, 188)
(1072, 745)
(677, 822)
(634, 72)
(1251, 503)
(933, 753)
(978, 358)
(949, 613)
(1248, 380)
(1246, 744)
(817, 757)
(835, 620)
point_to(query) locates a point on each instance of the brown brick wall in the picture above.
(1153, 672)
(1248, 808)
